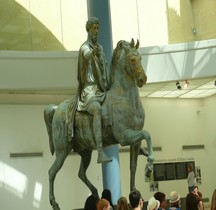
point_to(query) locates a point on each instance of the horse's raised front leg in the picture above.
(150, 158)
(134, 152)
(56, 166)
(132, 137)
(85, 161)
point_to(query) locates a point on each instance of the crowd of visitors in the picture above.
(158, 201)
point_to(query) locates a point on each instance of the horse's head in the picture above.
(126, 53)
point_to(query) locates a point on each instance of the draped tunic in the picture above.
(92, 75)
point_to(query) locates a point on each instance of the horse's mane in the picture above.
(115, 56)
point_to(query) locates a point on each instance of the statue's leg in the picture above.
(143, 152)
(132, 138)
(150, 158)
(85, 161)
(95, 110)
(56, 166)
(134, 152)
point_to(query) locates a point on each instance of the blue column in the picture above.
(101, 10)
(111, 171)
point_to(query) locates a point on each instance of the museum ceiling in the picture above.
(196, 89)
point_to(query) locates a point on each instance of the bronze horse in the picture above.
(122, 119)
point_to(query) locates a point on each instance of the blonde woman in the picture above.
(103, 204)
(122, 203)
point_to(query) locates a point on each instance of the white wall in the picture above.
(171, 122)
(22, 129)
(38, 70)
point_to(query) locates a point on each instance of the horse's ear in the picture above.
(137, 44)
(119, 44)
(132, 43)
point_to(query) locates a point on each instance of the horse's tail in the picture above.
(48, 117)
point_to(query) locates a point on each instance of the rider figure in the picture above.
(93, 82)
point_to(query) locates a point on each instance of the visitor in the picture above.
(107, 195)
(161, 197)
(103, 204)
(91, 202)
(122, 203)
(213, 201)
(136, 200)
(191, 202)
(153, 204)
(191, 178)
(175, 202)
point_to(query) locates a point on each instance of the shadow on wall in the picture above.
(21, 31)
(180, 22)
(190, 20)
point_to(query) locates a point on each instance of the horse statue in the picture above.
(123, 119)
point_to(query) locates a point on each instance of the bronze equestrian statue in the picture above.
(122, 121)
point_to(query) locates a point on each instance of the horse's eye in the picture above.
(133, 60)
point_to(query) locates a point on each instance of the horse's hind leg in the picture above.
(56, 166)
(85, 161)
(134, 152)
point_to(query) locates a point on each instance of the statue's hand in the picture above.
(94, 51)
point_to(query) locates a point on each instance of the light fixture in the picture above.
(186, 84)
(194, 31)
(178, 85)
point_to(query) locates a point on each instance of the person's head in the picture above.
(91, 202)
(161, 197)
(196, 189)
(153, 204)
(197, 193)
(213, 201)
(135, 199)
(92, 27)
(107, 195)
(191, 202)
(122, 203)
(103, 204)
(190, 167)
(175, 199)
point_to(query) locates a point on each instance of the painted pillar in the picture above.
(110, 171)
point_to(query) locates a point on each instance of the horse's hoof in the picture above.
(148, 171)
